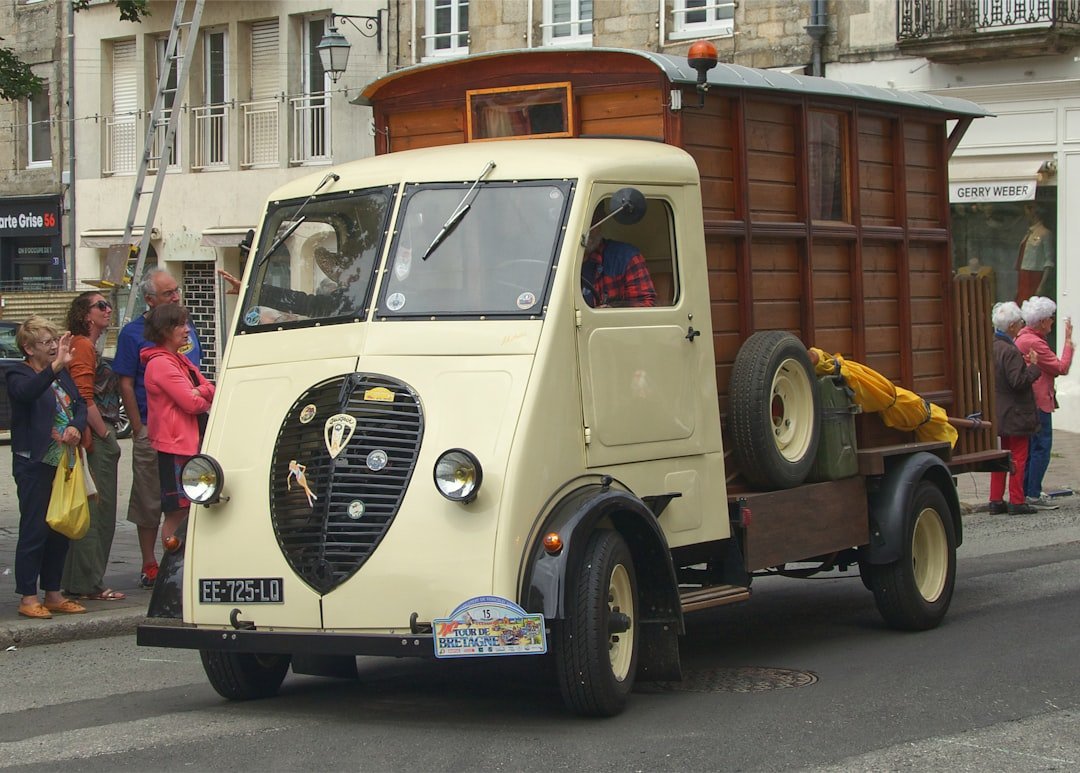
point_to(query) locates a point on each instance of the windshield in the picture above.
(318, 263)
(495, 259)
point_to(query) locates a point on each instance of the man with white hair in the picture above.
(144, 505)
(1038, 315)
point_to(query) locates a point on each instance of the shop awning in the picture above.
(103, 238)
(224, 236)
(974, 179)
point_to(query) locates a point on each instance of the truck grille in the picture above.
(355, 496)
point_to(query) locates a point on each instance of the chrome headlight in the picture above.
(202, 479)
(458, 475)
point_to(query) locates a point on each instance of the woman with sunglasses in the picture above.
(47, 413)
(88, 318)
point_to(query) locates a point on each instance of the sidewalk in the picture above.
(111, 618)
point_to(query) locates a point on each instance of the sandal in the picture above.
(34, 610)
(66, 607)
(102, 595)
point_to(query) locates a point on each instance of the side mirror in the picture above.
(627, 206)
(245, 243)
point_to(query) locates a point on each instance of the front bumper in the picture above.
(286, 642)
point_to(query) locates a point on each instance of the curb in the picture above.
(94, 625)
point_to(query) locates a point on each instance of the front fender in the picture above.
(891, 502)
(545, 583)
(167, 599)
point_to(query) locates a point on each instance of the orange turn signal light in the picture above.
(171, 543)
(553, 543)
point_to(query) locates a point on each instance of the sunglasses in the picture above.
(101, 306)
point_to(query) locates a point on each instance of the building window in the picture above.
(212, 119)
(447, 25)
(120, 127)
(38, 134)
(703, 17)
(568, 22)
(826, 142)
(259, 116)
(311, 110)
(159, 154)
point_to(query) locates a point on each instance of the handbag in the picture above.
(88, 479)
(69, 510)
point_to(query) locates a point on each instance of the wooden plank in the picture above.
(619, 104)
(798, 524)
(649, 126)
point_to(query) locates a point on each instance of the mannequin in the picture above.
(1035, 261)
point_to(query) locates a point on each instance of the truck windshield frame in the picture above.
(498, 263)
(323, 272)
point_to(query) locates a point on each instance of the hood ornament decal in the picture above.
(337, 432)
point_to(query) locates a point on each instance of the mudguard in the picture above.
(575, 517)
(167, 600)
(891, 502)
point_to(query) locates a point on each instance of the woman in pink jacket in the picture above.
(177, 394)
(1038, 315)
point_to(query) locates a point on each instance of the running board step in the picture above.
(713, 596)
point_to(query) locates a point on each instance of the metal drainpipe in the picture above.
(817, 29)
(73, 234)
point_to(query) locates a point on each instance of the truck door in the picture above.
(641, 367)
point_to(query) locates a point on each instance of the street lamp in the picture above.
(334, 48)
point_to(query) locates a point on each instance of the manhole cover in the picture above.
(750, 679)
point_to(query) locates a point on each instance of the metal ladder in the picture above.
(190, 28)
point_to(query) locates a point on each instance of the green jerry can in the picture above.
(836, 455)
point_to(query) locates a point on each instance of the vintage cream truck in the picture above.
(426, 443)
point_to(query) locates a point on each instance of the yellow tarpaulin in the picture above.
(898, 407)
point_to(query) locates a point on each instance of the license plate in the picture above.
(242, 590)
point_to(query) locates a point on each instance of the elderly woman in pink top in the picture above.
(1038, 315)
(176, 395)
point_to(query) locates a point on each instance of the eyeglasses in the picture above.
(101, 306)
(170, 293)
(46, 343)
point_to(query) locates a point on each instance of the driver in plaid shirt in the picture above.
(614, 273)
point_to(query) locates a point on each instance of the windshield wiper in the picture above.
(458, 214)
(299, 220)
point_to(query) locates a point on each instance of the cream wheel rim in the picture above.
(621, 600)
(791, 407)
(930, 554)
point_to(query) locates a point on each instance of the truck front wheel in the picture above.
(597, 648)
(243, 676)
(914, 592)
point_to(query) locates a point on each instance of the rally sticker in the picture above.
(396, 302)
(489, 625)
(526, 301)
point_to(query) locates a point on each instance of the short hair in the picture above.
(78, 312)
(28, 332)
(1005, 315)
(162, 319)
(147, 285)
(1037, 308)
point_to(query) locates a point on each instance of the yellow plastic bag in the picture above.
(69, 511)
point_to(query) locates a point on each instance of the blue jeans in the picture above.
(1038, 456)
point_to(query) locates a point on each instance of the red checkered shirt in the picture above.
(615, 274)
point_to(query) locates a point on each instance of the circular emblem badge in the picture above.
(356, 509)
(526, 301)
(307, 413)
(252, 316)
(396, 302)
(376, 460)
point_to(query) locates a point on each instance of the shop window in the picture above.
(827, 146)
(543, 110)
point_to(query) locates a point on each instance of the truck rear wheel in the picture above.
(914, 592)
(774, 416)
(598, 641)
(244, 676)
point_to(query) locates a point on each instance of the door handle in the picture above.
(691, 334)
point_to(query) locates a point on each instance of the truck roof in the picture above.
(594, 159)
(678, 71)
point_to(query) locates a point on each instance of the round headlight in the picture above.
(201, 479)
(458, 475)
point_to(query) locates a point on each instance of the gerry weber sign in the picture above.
(29, 217)
(992, 190)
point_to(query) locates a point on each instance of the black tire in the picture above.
(243, 676)
(122, 424)
(914, 592)
(775, 411)
(596, 665)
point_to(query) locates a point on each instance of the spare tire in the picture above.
(775, 411)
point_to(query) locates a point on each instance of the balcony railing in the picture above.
(158, 151)
(310, 128)
(923, 19)
(211, 136)
(259, 141)
(121, 145)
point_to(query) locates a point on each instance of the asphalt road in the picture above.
(803, 677)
